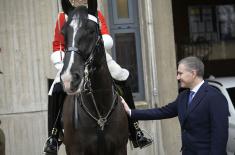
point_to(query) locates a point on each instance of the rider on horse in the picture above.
(120, 76)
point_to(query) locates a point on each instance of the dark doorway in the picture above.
(206, 29)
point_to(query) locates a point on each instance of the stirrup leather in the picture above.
(136, 125)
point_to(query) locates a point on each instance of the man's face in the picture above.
(185, 76)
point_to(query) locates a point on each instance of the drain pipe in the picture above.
(151, 49)
(152, 57)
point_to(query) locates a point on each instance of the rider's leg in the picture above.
(136, 135)
(54, 120)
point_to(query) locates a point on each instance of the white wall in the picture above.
(26, 31)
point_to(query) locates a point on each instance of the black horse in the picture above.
(94, 120)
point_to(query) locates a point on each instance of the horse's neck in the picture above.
(102, 78)
(102, 85)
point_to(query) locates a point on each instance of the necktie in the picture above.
(190, 97)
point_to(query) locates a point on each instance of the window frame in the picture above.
(128, 25)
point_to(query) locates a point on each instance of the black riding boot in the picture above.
(136, 135)
(54, 120)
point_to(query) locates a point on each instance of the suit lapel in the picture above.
(186, 110)
(197, 98)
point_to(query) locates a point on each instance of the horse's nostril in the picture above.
(76, 81)
(76, 77)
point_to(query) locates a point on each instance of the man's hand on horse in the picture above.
(126, 107)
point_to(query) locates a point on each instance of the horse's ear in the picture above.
(67, 6)
(92, 7)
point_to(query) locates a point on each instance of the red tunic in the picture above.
(58, 42)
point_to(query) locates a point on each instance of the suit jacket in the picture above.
(204, 124)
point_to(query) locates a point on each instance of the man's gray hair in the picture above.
(193, 63)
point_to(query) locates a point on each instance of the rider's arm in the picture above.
(58, 42)
(108, 41)
(116, 71)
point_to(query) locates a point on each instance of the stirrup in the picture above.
(48, 150)
(51, 146)
(145, 143)
(141, 140)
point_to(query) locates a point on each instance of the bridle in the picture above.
(86, 88)
(89, 60)
(88, 66)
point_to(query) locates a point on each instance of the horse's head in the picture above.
(82, 36)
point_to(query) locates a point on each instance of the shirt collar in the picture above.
(196, 88)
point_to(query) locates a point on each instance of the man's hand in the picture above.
(126, 107)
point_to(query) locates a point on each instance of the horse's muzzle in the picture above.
(72, 87)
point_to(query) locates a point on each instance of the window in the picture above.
(122, 9)
(124, 27)
(226, 21)
(126, 55)
(201, 24)
(211, 23)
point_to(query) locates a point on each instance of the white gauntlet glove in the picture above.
(108, 41)
(116, 71)
(57, 59)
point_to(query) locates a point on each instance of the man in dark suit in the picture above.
(202, 111)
